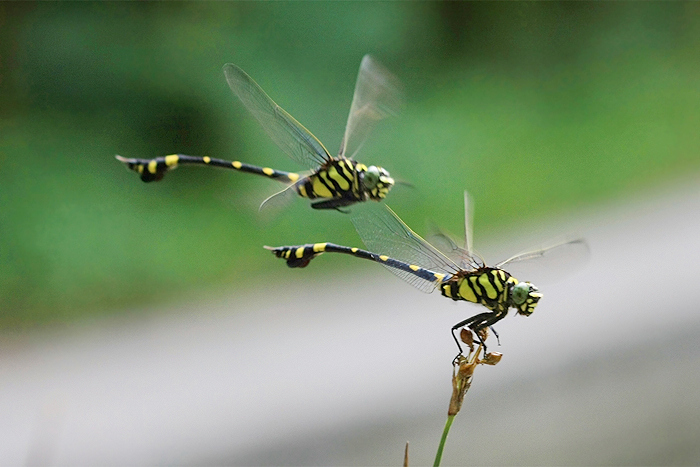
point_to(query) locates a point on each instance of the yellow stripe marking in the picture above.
(475, 287)
(447, 288)
(347, 170)
(383, 257)
(268, 171)
(414, 267)
(152, 166)
(439, 276)
(354, 250)
(319, 188)
(355, 176)
(490, 290)
(301, 189)
(139, 168)
(319, 247)
(502, 275)
(499, 283)
(236, 165)
(206, 159)
(466, 292)
(335, 176)
(287, 253)
(293, 177)
(300, 252)
(172, 160)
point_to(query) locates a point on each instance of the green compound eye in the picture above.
(371, 177)
(520, 293)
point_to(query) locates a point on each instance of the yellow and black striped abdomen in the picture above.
(152, 170)
(486, 286)
(299, 256)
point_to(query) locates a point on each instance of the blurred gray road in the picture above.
(343, 372)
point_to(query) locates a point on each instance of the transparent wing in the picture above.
(470, 259)
(548, 264)
(465, 256)
(285, 131)
(468, 223)
(444, 242)
(377, 96)
(384, 233)
(277, 201)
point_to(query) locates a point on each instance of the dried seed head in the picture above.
(467, 337)
(462, 374)
(491, 358)
(483, 334)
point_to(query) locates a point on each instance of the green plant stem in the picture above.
(445, 432)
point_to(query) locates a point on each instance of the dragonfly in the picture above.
(457, 271)
(332, 182)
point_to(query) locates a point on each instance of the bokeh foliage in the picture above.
(536, 108)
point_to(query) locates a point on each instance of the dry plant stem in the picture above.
(405, 456)
(462, 373)
(462, 380)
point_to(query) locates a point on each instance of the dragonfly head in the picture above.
(377, 182)
(524, 297)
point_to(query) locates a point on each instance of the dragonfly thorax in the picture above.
(489, 287)
(493, 288)
(344, 182)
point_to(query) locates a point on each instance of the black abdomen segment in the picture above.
(155, 169)
(300, 256)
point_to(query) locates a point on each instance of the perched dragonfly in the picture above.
(335, 182)
(458, 272)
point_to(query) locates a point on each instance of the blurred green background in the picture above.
(539, 109)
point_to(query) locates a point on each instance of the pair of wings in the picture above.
(383, 232)
(376, 96)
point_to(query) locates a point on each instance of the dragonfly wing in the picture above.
(444, 242)
(468, 223)
(470, 259)
(419, 283)
(377, 96)
(279, 200)
(290, 135)
(465, 256)
(548, 264)
(384, 233)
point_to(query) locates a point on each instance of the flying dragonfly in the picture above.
(335, 182)
(459, 273)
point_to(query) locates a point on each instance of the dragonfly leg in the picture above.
(335, 203)
(498, 339)
(474, 323)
